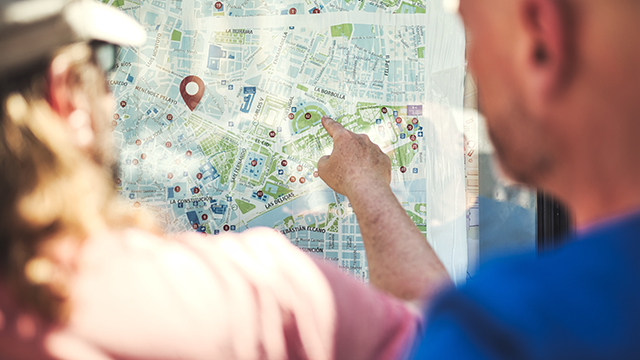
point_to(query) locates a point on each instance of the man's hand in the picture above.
(401, 262)
(356, 164)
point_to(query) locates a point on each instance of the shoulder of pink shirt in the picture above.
(239, 296)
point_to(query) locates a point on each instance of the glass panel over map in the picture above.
(218, 117)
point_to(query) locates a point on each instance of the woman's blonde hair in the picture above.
(49, 188)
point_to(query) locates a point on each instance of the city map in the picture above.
(218, 117)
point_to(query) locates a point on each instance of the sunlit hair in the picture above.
(49, 188)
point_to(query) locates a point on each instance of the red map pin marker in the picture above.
(192, 90)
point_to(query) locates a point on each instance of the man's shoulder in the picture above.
(585, 294)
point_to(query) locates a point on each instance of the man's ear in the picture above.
(60, 92)
(548, 56)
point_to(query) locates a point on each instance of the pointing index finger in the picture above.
(331, 125)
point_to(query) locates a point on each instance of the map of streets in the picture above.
(218, 115)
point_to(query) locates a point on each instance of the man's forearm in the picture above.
(401, 262)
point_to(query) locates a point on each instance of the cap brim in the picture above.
(92, 20)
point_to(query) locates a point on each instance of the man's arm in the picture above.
(401, 262)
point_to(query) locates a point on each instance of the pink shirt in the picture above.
(234, 296)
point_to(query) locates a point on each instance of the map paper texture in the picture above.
(242, 151)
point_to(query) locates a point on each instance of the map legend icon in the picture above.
(192, 90)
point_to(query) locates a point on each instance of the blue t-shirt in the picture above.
(580, 302)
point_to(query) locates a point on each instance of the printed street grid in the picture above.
(247, 154)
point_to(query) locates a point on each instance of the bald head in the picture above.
(559, 83)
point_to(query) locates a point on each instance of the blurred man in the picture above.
(81, 279)
(559, 83)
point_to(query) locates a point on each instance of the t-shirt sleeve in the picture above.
(370, 324)
(459, 328)
(494, 316)
(237, 296)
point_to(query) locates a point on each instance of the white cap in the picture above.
(31, 30)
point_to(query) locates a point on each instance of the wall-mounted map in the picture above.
(218, 116)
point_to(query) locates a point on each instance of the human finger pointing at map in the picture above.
(355, 164)
(401, 263)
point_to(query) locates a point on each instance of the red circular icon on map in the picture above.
(414, 121)
(259, 193)
(409, 127)
(284, 163)
(272, 133)
(189, 153)
(293, 11)
(123, 103)
(143, 156)
(168, 144)
(254, 163)
(176, 189)
(218, 5)
(114, 123)
(136, 204)
(199, 176)
(196, 190)
(205, 216)
(291, 116)
(316, 11)
(292, 179)
(138, 142)
(412, 137)
(315, 174)
(170, 175)
(118, 181)
(169, 117)
(414, 146)
(384, 110)
(135, 162)
(116, 116)
(226, 228)
(195, 226)
(299, 168)
(403, 169)
(398, 120)
(177, 161)
(307, 116)
(302, 180)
